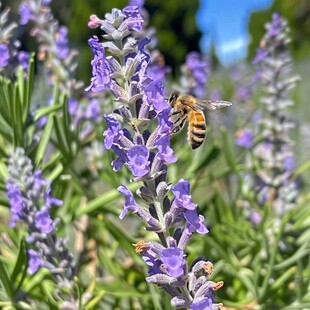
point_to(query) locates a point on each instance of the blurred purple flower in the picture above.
(255, 217)
(196, 70)
(34, 261)
(23, 59)
(61, 42)
(4, 55)
(289, 163)
(17, 203)
(276, 26)
(244, 138)
(49, 200)
(139, 3)
(46, 2)
(93, 110)
(261, 55)
(44, 222)
(25, 13)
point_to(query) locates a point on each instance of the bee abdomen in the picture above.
(196, 129)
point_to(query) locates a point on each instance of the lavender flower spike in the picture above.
(30, 200)
(145, 150)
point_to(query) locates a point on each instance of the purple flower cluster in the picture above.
(195, 73)
(274, 39)
(139, 134)
(168, 268)
(9, 54)
(30, 201)
(59, 59)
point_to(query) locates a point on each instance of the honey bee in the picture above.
(188, 108)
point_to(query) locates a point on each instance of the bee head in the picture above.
(173, 97)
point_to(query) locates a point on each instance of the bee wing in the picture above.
(214, 104)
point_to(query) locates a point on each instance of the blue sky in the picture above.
(224, 23)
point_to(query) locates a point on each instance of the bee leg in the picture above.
(180, 126)
(174, 113)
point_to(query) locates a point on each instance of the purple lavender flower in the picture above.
(205, 303)
(112, 134)
(34, 261)
(130, 202)
(17, 202)
(165, 152)
(196, 221)
(100, 67)
(121, 158)
(154, 96)
(134, 19)
(4, 55)
(173, 261)
(138, 161)
(183, 199)
(44, 222)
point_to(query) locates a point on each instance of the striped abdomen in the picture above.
(196, 128)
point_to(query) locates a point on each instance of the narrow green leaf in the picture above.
(45, 111)
(45, 139)
(21, 262)
(4, 106)
(57, 171)
(29, 87)
(18, 116)
(279, 283)
(94, 301)
(61, 137)
(300, 253)
(6, 281)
